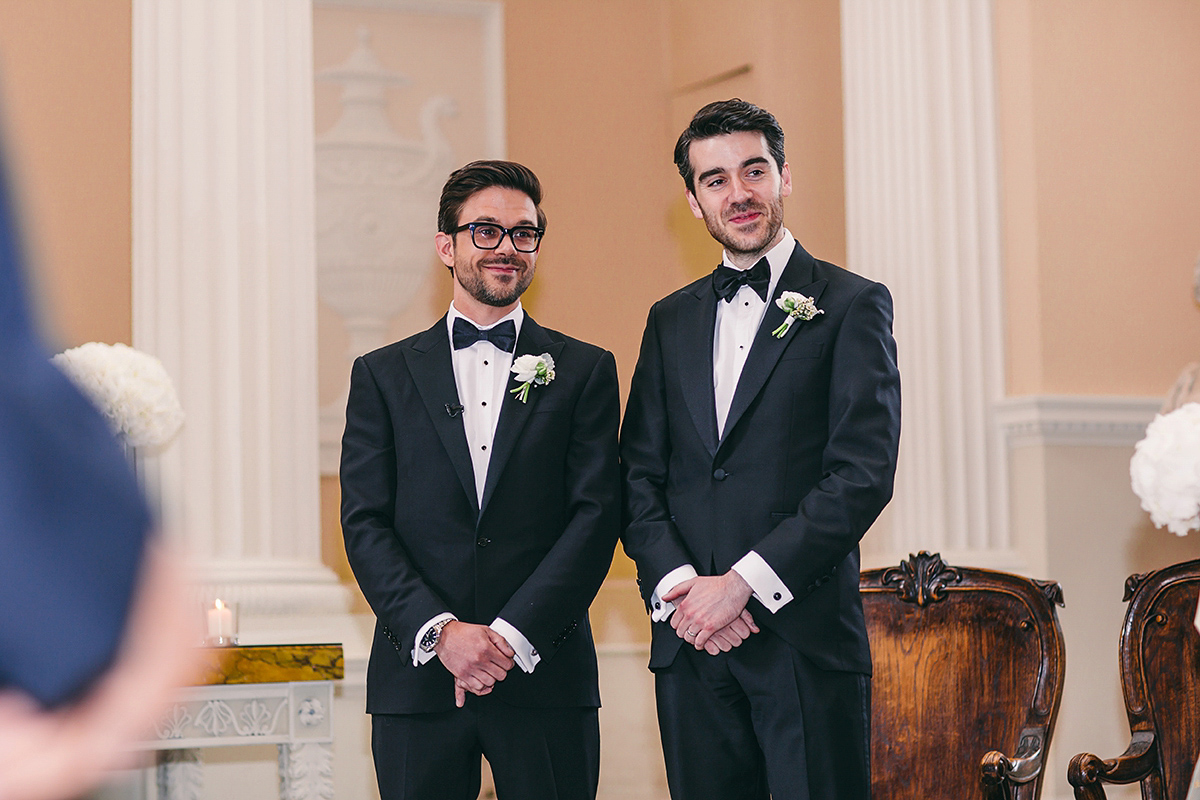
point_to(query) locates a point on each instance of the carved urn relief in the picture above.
(376, 209)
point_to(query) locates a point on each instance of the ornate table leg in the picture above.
(306, 771)
(180, 774)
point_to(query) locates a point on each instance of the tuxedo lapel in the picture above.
(696, 328)
(433, 373)
(765, 351)
(513, 413)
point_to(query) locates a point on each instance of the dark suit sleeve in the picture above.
(649, 537)
(859, 461)
(556, 595)
(400, 598)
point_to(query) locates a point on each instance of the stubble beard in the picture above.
(737, 244)
(472, 279)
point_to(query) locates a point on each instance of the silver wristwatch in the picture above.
(434, 635)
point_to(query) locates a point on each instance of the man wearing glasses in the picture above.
(480, 493)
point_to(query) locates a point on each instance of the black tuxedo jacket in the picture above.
(803, 469)
(534, 554)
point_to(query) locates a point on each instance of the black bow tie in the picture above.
(503, 336)
(727, 280)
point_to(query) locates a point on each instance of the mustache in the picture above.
(505, 260)
(742, 208)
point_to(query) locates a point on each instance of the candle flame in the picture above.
(220, 604)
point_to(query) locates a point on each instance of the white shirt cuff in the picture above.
(419, 655)
(768, 588)
(525, 655)
(660, 609)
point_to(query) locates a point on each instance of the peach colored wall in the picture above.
(65, 73)
(1100, 119)
(597, 95)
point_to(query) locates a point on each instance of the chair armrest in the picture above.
(999, 773)
(1088, 773)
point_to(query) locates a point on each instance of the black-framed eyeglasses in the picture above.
(488, 235)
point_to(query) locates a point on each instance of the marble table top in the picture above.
(271, 664)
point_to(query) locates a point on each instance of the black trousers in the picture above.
(762, 721)
(534, 753)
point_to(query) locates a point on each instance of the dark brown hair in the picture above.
(724, 117)
(480, 175)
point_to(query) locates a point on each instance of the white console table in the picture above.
(273, 694)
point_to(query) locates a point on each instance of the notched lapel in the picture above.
(513, 413)
(767, 349)
(695, 347)
(433, 373)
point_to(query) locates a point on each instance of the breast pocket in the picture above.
(804, 350)
(552, 406)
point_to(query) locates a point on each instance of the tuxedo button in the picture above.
(720, 474)
(483, 541)
(777, 596)
(658, 606)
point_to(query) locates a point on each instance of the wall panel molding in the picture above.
(1075, 420)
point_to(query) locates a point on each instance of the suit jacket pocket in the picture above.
(803, 350)
(551, 406)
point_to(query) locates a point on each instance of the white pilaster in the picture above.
(922, 216)
(224, 285)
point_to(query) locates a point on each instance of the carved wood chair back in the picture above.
(1160, 677)
(968, 673)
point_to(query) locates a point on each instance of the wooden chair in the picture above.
(1160, 676)
(968, 676)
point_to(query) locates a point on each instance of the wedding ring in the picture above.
(691, 633)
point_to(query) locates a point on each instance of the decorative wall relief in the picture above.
(405, 116)
(374, 192)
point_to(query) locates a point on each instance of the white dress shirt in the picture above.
(481, 375)
(737, 323)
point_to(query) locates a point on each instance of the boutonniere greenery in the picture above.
(797, 307)
(532, 370)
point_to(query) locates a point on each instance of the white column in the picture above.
(922, 216)
(224, 284)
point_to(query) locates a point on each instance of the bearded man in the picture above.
(480, 508)
(759, 444)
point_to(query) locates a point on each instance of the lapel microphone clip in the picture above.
(454, 409)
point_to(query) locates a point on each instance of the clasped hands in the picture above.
(476, 656)
(710, 612)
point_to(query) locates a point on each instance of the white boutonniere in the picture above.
(532, 371)
(796, 306)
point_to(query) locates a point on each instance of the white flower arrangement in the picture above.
(131, 389)
(797, 307)
(1165, 469)
(533, 371)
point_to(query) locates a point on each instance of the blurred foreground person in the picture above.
(92, 633)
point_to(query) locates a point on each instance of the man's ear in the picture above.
(785, 180)
(691, 198)
(444, 244)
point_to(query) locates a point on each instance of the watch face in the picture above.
(432, 636)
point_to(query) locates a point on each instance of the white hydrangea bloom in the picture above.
(1165, 469)
(131, 388)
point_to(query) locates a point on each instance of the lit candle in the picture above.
(220, 621)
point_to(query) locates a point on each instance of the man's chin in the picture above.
(501, 296)
(745, 247)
